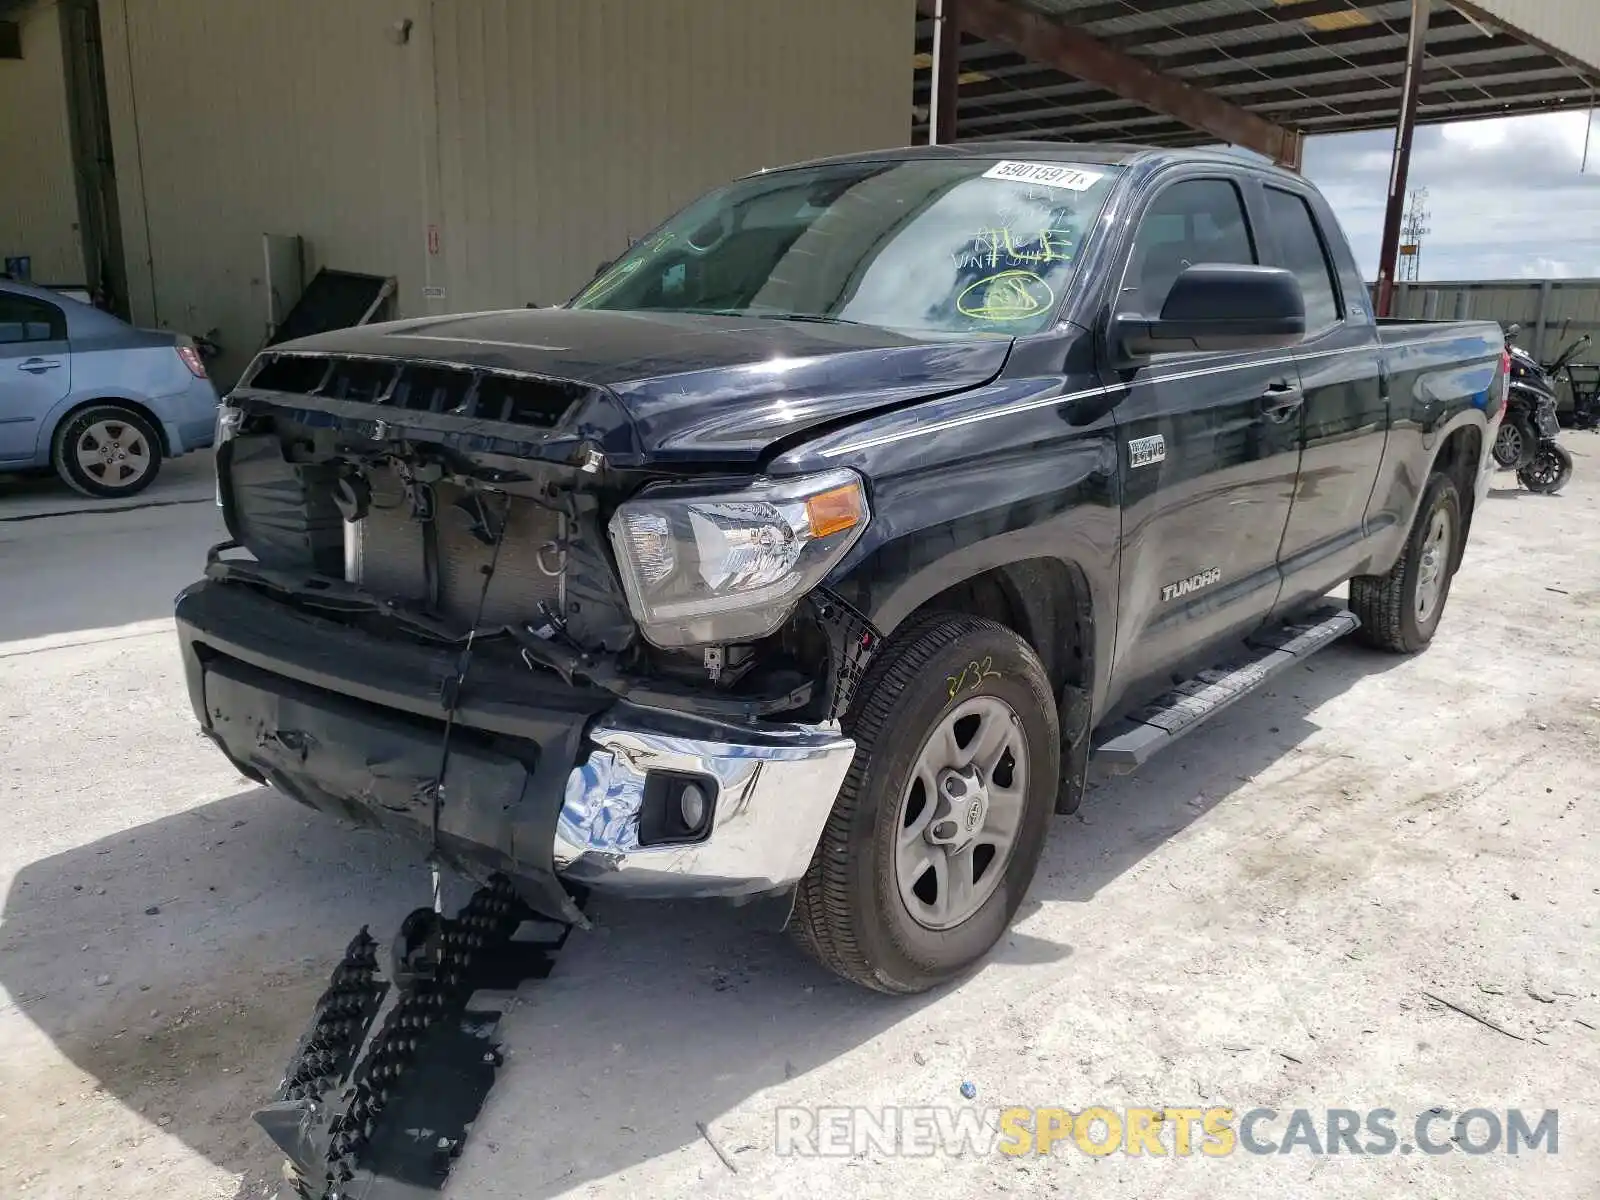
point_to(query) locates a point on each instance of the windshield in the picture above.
(928, 246)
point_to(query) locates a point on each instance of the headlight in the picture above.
(229, 419)
(730, 568)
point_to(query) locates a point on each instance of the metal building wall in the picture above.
(565, 129)
(1552, 312)
(259, 116)
(38, 193)
(489, 154)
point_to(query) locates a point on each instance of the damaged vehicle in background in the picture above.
(816, 546)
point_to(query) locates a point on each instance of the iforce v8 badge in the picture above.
(1146, 451)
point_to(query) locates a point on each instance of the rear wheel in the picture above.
(107, 451)
(1513, 445)
(938, 828)
(1400, 610)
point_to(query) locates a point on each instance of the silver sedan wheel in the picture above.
(1433, 566)
(114, 453)
(960, 813)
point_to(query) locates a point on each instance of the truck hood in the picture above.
(693, 387)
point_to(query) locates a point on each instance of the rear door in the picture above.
(35, 370)
(1209, 452)
(1345, 417)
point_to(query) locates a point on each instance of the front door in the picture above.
(1210, 452)
(35, 370)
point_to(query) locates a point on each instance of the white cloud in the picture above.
(1473, 136)
(1491, 133)
(1547, 268)
(1506, 195)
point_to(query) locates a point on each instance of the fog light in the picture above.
(676, 809)
(692, 806)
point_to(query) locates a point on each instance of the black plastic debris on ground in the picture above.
(390, 1124)
(339, 1023)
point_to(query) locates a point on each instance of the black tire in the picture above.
(848, 912)
(1550, 471)
(1387, 604)
(1515, 444)
(125, 423)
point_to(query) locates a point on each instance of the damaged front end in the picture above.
(462, 603)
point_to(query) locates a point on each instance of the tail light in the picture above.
(192, 360)
(1505, 379)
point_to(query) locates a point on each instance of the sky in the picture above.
(1505, 195)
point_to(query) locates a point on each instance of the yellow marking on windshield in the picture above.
(1004, 245)
(1008, 296)
(618, 272)
(1050, 245)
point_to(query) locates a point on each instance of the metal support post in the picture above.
(946, 79)
(1400, 167)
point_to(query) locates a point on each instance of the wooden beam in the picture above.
(1051, 43)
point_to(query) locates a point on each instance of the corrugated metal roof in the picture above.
(1321, 66)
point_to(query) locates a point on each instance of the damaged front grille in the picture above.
(470, 392)
(388, 553)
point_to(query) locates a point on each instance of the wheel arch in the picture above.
(72, 407)
(1048, 602)
(1460, 456)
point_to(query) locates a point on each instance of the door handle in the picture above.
(1281, 401)
(38, 366)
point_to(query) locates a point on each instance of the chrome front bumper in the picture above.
(775, 786)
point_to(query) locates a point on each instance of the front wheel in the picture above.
(1549, 472)
(1400, 609)
(938, 828)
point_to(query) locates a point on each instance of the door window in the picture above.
(1305, 254)
(24, 319)
(1195, 221)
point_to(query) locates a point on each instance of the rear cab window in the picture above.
(1304, 250)
(26, 319)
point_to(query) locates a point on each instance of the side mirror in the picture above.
(1218, 307)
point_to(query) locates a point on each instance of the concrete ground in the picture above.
(1278, 914)
(27, 497)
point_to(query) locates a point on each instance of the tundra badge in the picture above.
(1146, 451)
(1194, 583)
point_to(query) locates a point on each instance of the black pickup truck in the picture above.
(821, 544)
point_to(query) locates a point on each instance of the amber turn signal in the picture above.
(835, 511)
